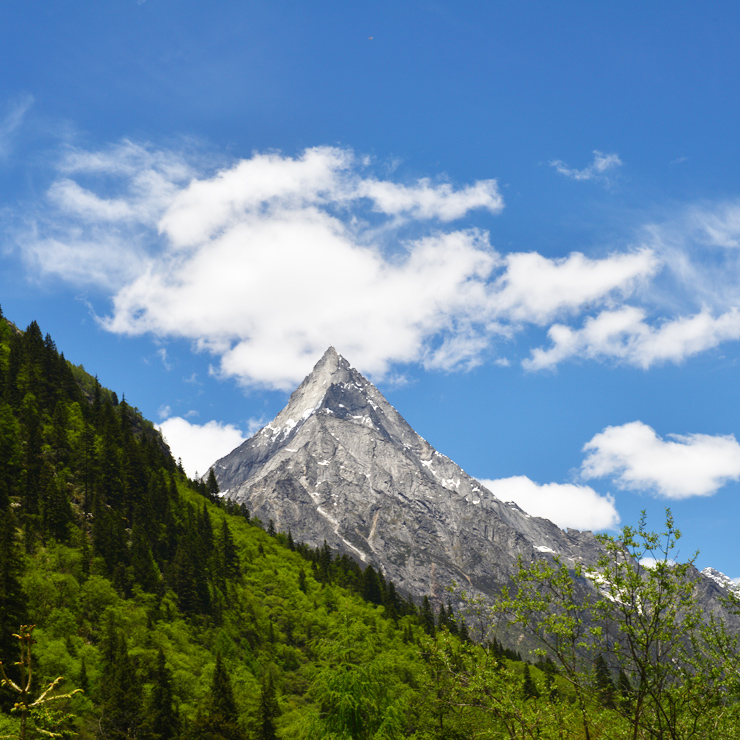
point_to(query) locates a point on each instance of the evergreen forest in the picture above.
(138, 603)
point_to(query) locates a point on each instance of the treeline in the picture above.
(177, 614)
(182, 617)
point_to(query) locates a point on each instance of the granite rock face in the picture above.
(340, 464)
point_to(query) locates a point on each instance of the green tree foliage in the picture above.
(121, 690)
(218, 718)
(603, 683)
(13, 600)
(529, 687)
(161, 719)
(37, 708)
(212, 486)
(120, 560)
(268, 711)
(426, 617)
(358, 701)
(675, 673)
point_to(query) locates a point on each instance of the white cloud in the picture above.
(162, 353)
(601, 164)
(566, 504)
(535, 289)
(650, 562)
(199, 446)
(12, 120)
(700, 248)
(625, 335)
(88, 238)
(718, 226)
(267, 261)
(425, 200)
(681, 467)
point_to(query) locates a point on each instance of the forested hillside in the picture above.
(171, 613)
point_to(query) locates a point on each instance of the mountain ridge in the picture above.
(340, 463)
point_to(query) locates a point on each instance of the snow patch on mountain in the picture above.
(722, 580)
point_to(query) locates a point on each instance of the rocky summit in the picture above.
(340, 464)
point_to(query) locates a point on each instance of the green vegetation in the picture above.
(171, 613)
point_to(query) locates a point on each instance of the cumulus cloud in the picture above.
(677, 468)
(267, 261)
(199, 445)
(566, 504)
(535, 289)
(597, 170)
(625, 335)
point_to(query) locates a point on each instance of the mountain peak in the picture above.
(330, 363)
(340, 464)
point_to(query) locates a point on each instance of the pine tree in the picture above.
(426, 617)
(142, 563)
(624, 687)
(604, 683)
(268, 711)
(219, 718)
(324, 564)
(121, 692)
(13, 602)
(162, 719)
(550, 671)
(84, 680)
(212, 486)
(529, 688)
(371, 586)
(10, 455)
(228, 552)
(57, 511)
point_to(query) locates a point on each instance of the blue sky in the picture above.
(521, 220)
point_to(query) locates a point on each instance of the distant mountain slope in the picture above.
(340, 463)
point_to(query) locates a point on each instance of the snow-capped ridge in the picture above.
(339, 463)
(721, 580)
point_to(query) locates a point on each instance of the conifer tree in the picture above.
(10, 455)
(529, 688)
(228, 552)
(624, 688)
(442, 617)
(426, 617)
(451, 621)
(142, 563)
(219, 718)
(57, 512)
(371, 586)
(121, 690)
(212, 486)
(268, 711)
(604, 683)
(13, 601)
(162, 720)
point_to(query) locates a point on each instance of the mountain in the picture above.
(340, 464)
